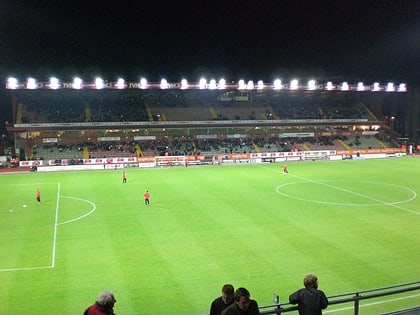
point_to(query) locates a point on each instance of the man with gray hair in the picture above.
(104, 305)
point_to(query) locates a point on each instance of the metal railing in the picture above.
(351, 297)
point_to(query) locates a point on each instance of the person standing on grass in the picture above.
(124, 178)
(285, 169)
(104, 305)
(309, 299)
(146, 198)
(243, 304)
(38, 195)
(222, 302)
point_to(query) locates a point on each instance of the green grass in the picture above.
(353, 223)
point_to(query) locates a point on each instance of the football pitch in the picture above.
(355, 224)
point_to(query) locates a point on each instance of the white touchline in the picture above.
(373, 303)
(55, 226)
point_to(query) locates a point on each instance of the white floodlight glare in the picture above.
(54, 83)
(376, 87)
(120, 83)
(77, 83)
(277, 84)
(344, 86)
(31, 84)
(402, 87)
(202, 83)
(311, 85)
(241, 85)
(390, 87)
(212, 84)
(329, 86)
(250, 85)
(164, 84)
(99, 83)
(143, 83)
(184, 84)
(360, 86)
(260, 85)
(294, 85)
(222, 84)
(12, 83)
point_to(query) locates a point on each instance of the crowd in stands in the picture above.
(133, 105)
(73, 106)
(208, 147)
(65, 106)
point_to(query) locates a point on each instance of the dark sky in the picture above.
(261, 39)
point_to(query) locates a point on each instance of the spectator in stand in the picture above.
(104, 305)
(222, 302)
(310, 300)
(243, 304)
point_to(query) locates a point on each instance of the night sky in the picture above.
(251, 40)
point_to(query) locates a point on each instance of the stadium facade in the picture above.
(83, 120)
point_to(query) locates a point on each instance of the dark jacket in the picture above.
(217, 306)
(233, 309)
(310, 301)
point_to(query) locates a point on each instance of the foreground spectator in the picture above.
(104, 305)
(243, 304)
(222, 302)
(310, 300)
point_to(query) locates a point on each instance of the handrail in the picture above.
(355, 297)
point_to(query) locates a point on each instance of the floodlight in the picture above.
(12, 83)
(212, 84)
(184, 84)
(163, 84)
(143, 83)
(402, 87)
(54, 83)
(277, 84)
(202, 83)
(344, 86)
(329, 86)
(376, 87)
(241, 85)
(222, 84)
(294, 84)
(31, 84)
(250, 85)
(311, 85)
(360, 86)
(260, 85)
(390, 87)
(77, 83)
(99, 83)
(120, 83)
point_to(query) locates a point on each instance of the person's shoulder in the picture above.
(253, 302)
(229, 310)
(217, 300)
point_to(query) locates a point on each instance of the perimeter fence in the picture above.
(352, 298)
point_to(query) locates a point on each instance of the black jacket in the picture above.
(310, 301)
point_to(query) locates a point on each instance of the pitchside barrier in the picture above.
(353, 300)
(187, 160)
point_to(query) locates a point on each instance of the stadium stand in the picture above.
(299, 121)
